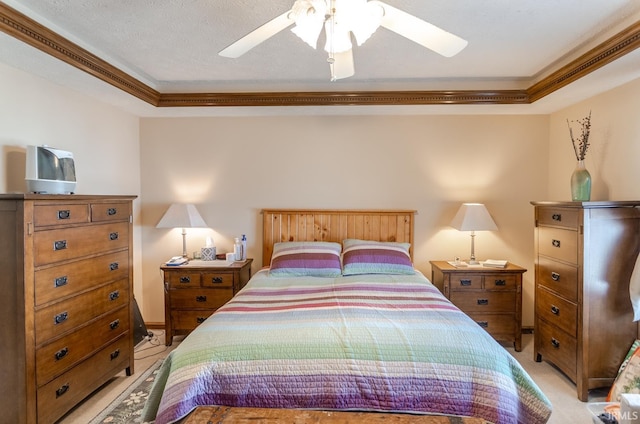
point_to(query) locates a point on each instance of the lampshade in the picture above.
(473, 217)
(182, 215)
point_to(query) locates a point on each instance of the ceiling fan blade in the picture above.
(257, 36)
(421, 32)
(342, 66)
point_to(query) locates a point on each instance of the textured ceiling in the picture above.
(172, 46)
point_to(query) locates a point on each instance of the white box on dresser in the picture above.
(66, 309)
(584, 256)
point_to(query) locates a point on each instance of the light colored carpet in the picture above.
(558, 388)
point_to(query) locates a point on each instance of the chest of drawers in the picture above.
(492, 297)
(66, 309)
(192, 292)
(584, 257)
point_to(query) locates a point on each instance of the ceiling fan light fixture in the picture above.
(309, 16)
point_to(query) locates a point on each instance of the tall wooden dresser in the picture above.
(585, 254)
(66, 309)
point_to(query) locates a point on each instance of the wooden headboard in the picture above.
(334, 225)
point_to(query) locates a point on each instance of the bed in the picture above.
(338, 319)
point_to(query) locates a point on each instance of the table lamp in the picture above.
(473, 217)
(182, 215)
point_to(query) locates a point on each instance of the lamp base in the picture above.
(473, 262)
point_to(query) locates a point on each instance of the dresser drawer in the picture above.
(558, 243)
(557, 347)
(182, 279)
(116, 211)
(506, 282)
(498, 325)
(217, 279)
(64, 280)
(55, 398)
(47, 215)
(58, 356)
(199, 298)
(484, 301)
(188, 320)
(466, 282)
(557, 311)
(559, 278)
(59, 318)
(52, 246)
(559, 217)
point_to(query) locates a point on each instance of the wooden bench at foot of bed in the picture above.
(228, 415)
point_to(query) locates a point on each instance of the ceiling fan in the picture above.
(341, 19)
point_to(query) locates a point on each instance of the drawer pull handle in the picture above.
(60, 281)
(114, 295)
(115, 354)
(555, 343)
(555, 243)
(185, 279)
(114, 266)
(483, 324)
(557, 217)
(61, 353)
(59, 245)
(60, 318)
(555, 276)
(112, 211)
(501, 282)
(201, 298)
(465, 282)
(200, 320)
(114, 324)
(555, 310)
(64, 214)
(62, 390)
(483, 301)
(216, 280)
(113, 236)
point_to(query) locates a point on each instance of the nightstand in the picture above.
(492, 297)
(193, 291)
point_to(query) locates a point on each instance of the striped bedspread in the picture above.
(368, 343)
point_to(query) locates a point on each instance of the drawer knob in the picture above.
(555, 310)
(501, 282)
(465, 282)
(114, 324)
(62, 390)
(555, 343)
(112, 211)
(555, 243)
(115, 354)
(59, 245)
(114, 266)
(555, 276)
(185, 279)
(60, 281)
(216, 280)
(200, 320)
(114, 295)
(113, 236)
(483, 301)
(483, 324)
(60, 318)
(61, 353)
(556, 217)
(64, 214)
(201, 298)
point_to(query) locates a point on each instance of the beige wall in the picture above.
(103, 139)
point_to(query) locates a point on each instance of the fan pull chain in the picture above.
(331, 59)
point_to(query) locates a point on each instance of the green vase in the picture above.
(580, 183)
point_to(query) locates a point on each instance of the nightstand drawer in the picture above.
(496, 324)
(182, 279)
(484, 301)
(506, 282)
(188, 320)
(558, 277)
(217, 279)
(558, 347)
(557, 311)
(558, 243)
(466, 282)
(200, 299)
